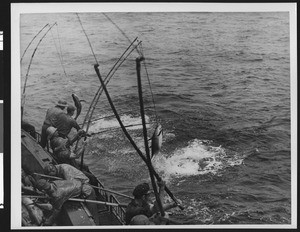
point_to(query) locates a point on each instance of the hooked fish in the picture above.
(156, 140)
(77, 103)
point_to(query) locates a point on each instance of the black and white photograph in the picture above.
(153, 115)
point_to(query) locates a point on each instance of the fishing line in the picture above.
(98, 94)
(140, 53)
(26, 77)
(59, 55)
(32, 41)
(87, 38)
(107, 79)
(123, 33)
(152, 96)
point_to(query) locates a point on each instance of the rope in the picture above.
(87, 38)
(152, 96)
(59, 54)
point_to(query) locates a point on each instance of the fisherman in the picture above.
(60, 191)
(62, 147)
(68, 172)
(51, 120)
(66, 122)
(141, 204)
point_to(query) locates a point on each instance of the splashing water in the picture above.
(197, 158)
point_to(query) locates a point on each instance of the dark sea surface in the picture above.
(221, 87)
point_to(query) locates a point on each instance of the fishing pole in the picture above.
(82, 155)
(87, 38)
(107, 79)
(96, 94)
(130, 139)
(32, 41)
(26, 77)
(87, 115)
(123, 33)
(140, 90)
(140, 54)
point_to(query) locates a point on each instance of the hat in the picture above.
(49, 169)
(141, 220)
(141, 189)
(50, 132)
(71, 108)
(42, 184)
(62, 103)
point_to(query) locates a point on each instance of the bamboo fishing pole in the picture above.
(140, 90)
(26, 77)
(99, 92)
(32, 41)
(81, 200)
(106, 80)
(130, 139)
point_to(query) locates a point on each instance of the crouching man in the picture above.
(60, 191)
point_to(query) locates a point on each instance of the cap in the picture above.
(50, 132)
(71, 108)
(141, 189)
(141, 220)
(62, 103)
(50, 169)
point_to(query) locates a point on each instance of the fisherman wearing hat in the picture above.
(60, 191)
(65, 122)
(141, 204)
(51, 119)
(62, 147)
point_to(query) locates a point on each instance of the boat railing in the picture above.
(118, 211)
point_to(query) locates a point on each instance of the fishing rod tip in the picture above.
(140, 58)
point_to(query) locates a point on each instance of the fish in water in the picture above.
(156, 140)
(77, 103)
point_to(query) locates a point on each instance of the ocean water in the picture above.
(221, 87)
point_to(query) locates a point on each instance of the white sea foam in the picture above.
(197, 158)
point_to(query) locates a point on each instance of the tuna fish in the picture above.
(156, 140)
(77, 103)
